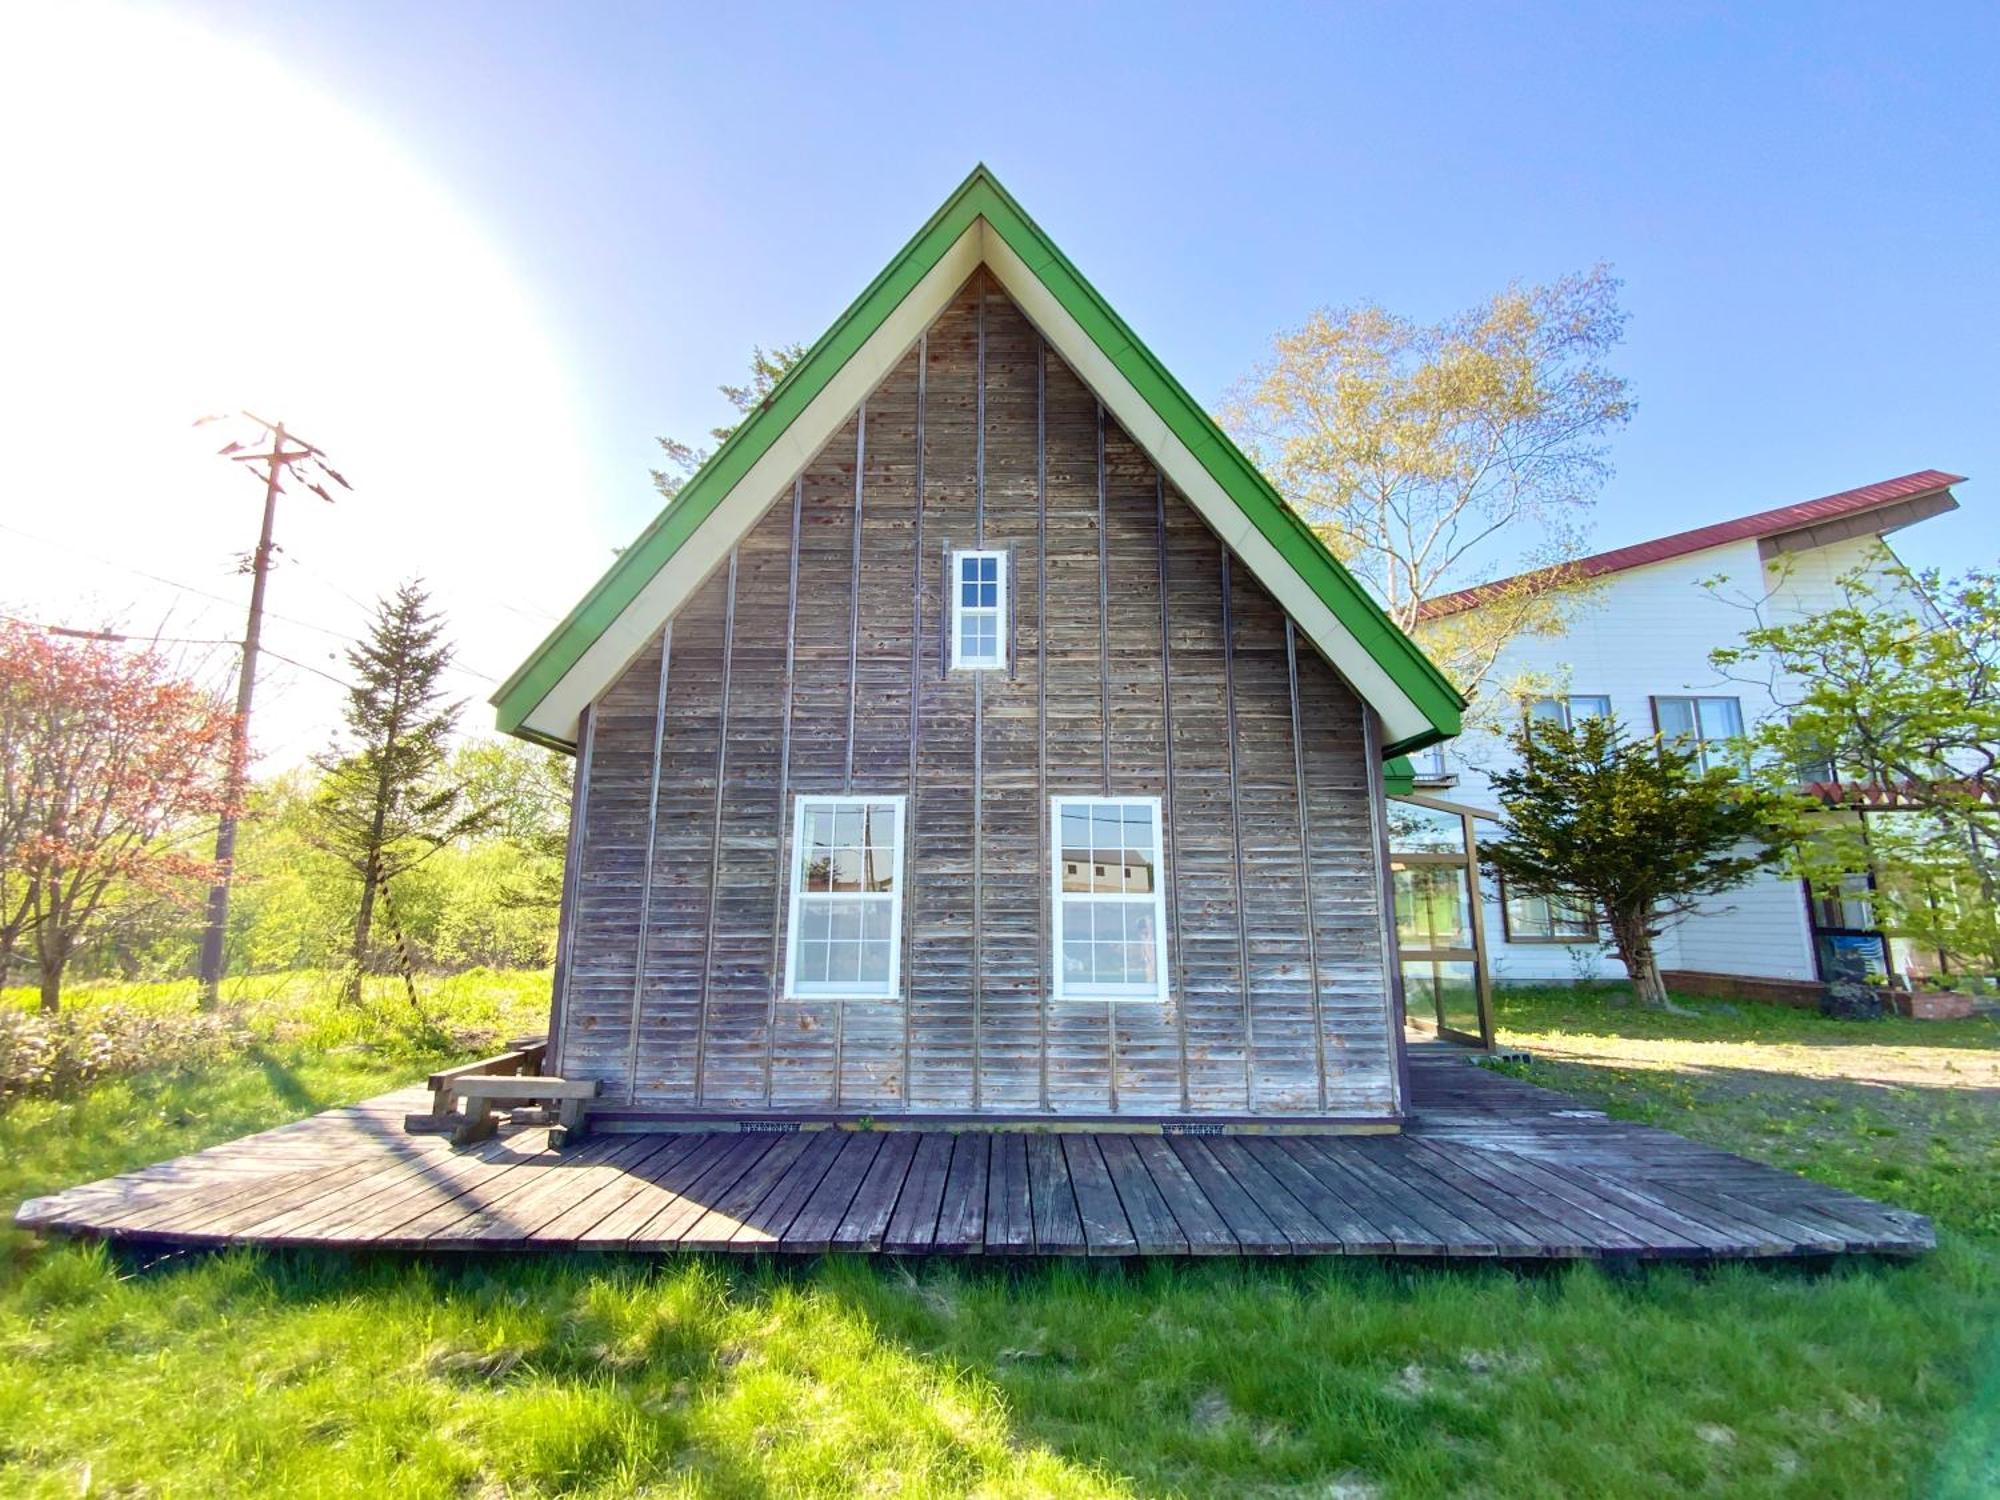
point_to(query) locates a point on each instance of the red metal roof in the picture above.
(1765, 523)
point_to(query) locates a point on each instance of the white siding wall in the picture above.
(1649, 632)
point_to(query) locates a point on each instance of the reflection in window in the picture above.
(1416, 829)
(1433, 907)
(1546, 919)
(1569, 711)
(1110, 909)
(846, 898)
(1701, 724)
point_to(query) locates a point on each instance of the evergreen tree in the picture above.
(387, 802)
(767, 368)
(1632, 828)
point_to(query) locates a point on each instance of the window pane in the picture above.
(1589, 707)
(1721, 718)
(1076, 961)
(846, 965)
(1415, 829)
(874, 962)
(1676, 715)
(1547, 710)
(813, 956)
(989, 568)
(844, 871)
(815, 919)
(968, 594)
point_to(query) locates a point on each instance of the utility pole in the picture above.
(277, 461)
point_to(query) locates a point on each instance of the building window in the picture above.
(1546, 919)
(1110, 901)
(978, 610)
(1567, 711)
(1700, 724)
(846, 899)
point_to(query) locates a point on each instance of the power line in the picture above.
(116, 636)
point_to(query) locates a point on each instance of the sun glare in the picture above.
(192, 228)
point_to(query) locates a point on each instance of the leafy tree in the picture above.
(385, 802)
(1631, 828)
(106, 755)
(530, 792)
(1428, 455)
(1891, 699)
(767, 368)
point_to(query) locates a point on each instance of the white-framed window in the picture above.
(846, 913)
(1545, 919)
(1569, 711)
(978, 610)
(1109, 898)
(1700, 724)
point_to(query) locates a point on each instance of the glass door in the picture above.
(1440, 944)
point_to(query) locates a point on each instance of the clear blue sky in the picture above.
(1803, 201)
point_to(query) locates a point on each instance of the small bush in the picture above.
(57, 1056)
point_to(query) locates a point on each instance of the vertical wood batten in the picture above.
(1044, 928)
(782, 871)
(978, 717)
(1177, 996)
(908, 934)
(646, 876)
(1385, 905)
(1305, 860)
(701, 1034)
(853, 694)
(1236, 836)
(579, 810)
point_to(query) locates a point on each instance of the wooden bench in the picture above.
(479, 1092)
(522, 1057)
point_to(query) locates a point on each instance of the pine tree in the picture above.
(1634, 829)
(386, 803)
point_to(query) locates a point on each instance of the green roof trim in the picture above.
(982, 196)
(1399, 777)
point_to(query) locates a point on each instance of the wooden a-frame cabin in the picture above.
(978, 738)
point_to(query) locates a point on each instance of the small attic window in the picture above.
(978, 611)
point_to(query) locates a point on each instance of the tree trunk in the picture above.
(53, 961)
(1635, 946)
(364, 924)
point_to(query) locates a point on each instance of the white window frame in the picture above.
(1567, 703)
(797, 989)
(998, 609)
(1125, 993)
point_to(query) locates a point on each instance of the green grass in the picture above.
(306, 1374)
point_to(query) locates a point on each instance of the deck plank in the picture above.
(866, 1223)
(1154, 1227)
(771, 1220)
(812, 1230)
(1010, 1219)
(913, 1226)
(1252, 1224)
(1106, 1230)
(1058, 1223)
(961, 1225)
(1201, 1224)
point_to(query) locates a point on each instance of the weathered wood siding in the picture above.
(1144, 660)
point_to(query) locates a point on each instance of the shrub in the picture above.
(57, 1056)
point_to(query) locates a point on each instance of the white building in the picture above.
(1637, 647)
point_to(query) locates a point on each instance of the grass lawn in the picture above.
(312, 1374)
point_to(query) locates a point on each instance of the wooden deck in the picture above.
(1492, 1167)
